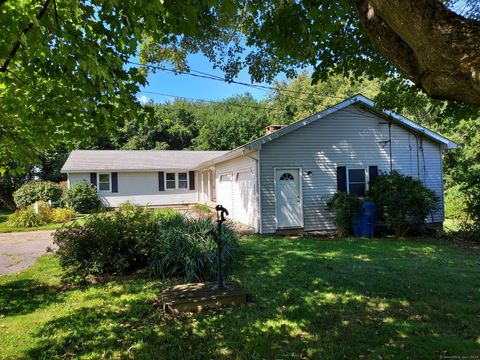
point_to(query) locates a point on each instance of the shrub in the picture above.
(26, 218)
(455, 200)
(402, 201)
(62, 215)
(83, 198)
(184, 248)
(37, 190)
(133, 238)
(470, 188)
(346, 206)
(468, 233)
(114, 242)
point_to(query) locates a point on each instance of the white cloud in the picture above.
(143, 99)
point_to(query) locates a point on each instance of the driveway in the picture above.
(19, 250)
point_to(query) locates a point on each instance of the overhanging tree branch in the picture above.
(17, 43)
(429, 44)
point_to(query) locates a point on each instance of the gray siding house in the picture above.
(284, 179)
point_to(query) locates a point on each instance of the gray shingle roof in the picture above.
(131, 160)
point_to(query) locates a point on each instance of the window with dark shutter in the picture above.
(93, 178)
(191, 180)
(114, 182)
(356, 182)
(161, 181)
(342, 178)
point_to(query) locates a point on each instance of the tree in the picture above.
(231, 123)
(66, 74)
(299, 98)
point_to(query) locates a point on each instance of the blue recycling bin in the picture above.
(364, 225)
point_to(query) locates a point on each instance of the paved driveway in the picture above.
(19, 250)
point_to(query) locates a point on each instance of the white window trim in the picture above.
(109, 182)
(367, 180)
(186, 178)
(177, 180)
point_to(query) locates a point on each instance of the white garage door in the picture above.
(244, 198)
(225, 191)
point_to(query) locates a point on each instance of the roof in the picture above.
(135, 160)
(357, 99)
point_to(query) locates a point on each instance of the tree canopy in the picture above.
(66, 71)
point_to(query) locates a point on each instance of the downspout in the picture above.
(257, 193)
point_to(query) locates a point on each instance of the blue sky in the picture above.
(192, 87)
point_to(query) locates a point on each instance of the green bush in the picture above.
(403, 202)
(455, 203)
(114, 242)
(62, 215)
(37, 190)
(25, 218)
(346, 206)
(133, 238)
(83, 198)
(470, 188)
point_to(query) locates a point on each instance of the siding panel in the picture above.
(351, 137)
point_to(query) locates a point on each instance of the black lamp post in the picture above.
(221, 213)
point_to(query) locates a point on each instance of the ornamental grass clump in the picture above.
(185, 248)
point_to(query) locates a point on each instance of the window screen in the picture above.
(104, 182)
(356, 182)
(170, 180)
(182, 181)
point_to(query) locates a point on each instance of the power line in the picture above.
(204, 75)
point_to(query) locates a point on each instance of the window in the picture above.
(287, 177)
(171, 181)
(356, 182)
(104, 182)
(182, 181)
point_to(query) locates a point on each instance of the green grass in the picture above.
(324, 299)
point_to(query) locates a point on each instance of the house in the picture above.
(282, 180)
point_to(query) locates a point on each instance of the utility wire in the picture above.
(204, 75)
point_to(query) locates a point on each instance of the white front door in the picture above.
(288, 198)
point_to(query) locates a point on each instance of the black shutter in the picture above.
(342, 178)
(114, 182)
(372, 172)
(161, 181)
(93, 179)
(191, 180)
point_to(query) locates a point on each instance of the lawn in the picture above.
(325, 299)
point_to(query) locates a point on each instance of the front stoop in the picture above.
(198, 296)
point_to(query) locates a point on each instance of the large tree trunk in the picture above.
(429, 44)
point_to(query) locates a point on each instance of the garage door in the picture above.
(225, 191)
(243, 186)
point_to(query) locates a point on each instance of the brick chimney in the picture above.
(272, 128)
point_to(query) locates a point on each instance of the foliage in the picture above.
(184, 248)
(346, 206)
(62, 215)
(134, 238)
(467, 233)
(27, 218)
(83, 198)
(304, 293)
(455, 203)
(37, 190)
(402, 201)
(202, 208)
(285, 108)
(108, 243)
(9, 183)
(231, 123)
(470, 187)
